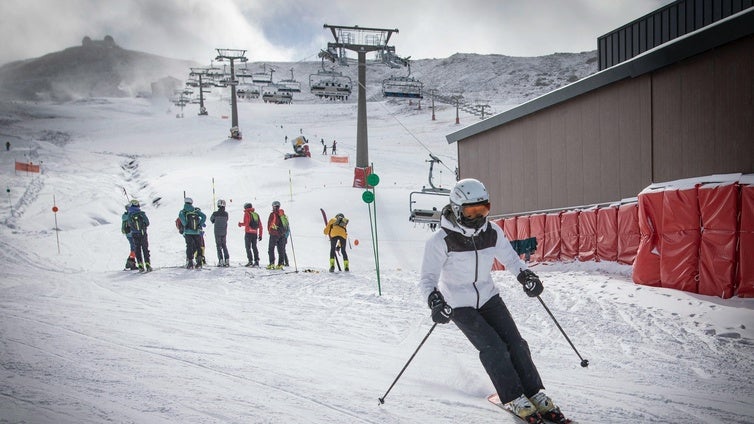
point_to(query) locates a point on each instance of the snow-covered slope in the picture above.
(82, 341)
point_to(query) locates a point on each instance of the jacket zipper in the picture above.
(476, 270)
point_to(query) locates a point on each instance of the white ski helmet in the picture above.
(468, 191)
(188, 200)
(221, 203)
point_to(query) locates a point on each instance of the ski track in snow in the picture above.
(83, 342)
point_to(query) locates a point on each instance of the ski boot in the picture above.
(345, 265)
(147, 267)
(332, 264)
(547, 409)
(271, 266)
(189, 264)
(523, 408)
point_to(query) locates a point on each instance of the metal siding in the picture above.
(692, 118)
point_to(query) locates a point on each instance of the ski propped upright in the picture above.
(324, 217)
(556, 418)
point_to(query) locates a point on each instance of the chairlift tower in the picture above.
(202, 73)
(233, 55)
(362, 41)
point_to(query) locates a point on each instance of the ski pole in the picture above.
(584, 362)
(382, 399)
(293, 250)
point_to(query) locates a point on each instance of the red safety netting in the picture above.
(537, 229)
(588, 235)
(607, 234)
(745, 275)
(551, 248)
(628, 233)
(569, 235)
(679, 260)
(647, 264)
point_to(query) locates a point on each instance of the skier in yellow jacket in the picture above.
(336, 230)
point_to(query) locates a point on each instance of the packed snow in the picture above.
(83, 341)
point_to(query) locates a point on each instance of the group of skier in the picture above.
(191, 222)
(455, 279)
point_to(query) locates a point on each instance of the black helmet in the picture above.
(275, 204)
(247, 206)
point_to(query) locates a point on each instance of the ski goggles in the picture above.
(476, 210)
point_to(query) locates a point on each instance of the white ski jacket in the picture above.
(458, 262)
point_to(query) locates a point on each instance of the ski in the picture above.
(324, 217)
(555, 416)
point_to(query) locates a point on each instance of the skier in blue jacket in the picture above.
(456, 280)
(193, 220)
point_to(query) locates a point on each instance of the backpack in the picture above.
(138, 223)
(342, 222)
(253, 220)
(192, 220)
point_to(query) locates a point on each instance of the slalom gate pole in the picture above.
(293, 250)
(584, 362)
(382, 399)
(214, 203)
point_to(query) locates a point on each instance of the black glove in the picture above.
(532, 285)
(441, 311)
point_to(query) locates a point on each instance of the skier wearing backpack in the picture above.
(336, 231)
(126, 230)
(457, 283)
(138, 223)
(252, 232)
(192, 220)
(220, 220)
(277, 228)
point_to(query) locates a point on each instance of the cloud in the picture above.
(292, 30)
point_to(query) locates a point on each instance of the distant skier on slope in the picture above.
(138, 223)
(253, 230)
(457, 283)
(220, 220)
(193, 220)
(336, 231)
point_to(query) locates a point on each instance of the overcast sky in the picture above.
(292, 30)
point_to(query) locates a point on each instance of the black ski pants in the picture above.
(276, 242)
(334, 246)
(141, 247)
(193, 247)
(504, 353)
(250, 241)
(222, 247)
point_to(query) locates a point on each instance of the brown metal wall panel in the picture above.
(703, 114)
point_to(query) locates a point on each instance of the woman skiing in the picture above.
(457, 283)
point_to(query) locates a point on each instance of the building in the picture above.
(675, 100)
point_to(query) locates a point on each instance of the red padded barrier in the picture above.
(718, 207)
(522, 230)
(628, 232)
(679, 258)
(509, 228)
(607, 234)
(587, 235)
(569, 235)
(496, 265)
(537, 229)
(746, 243)
(551, 248)
(647, 264)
